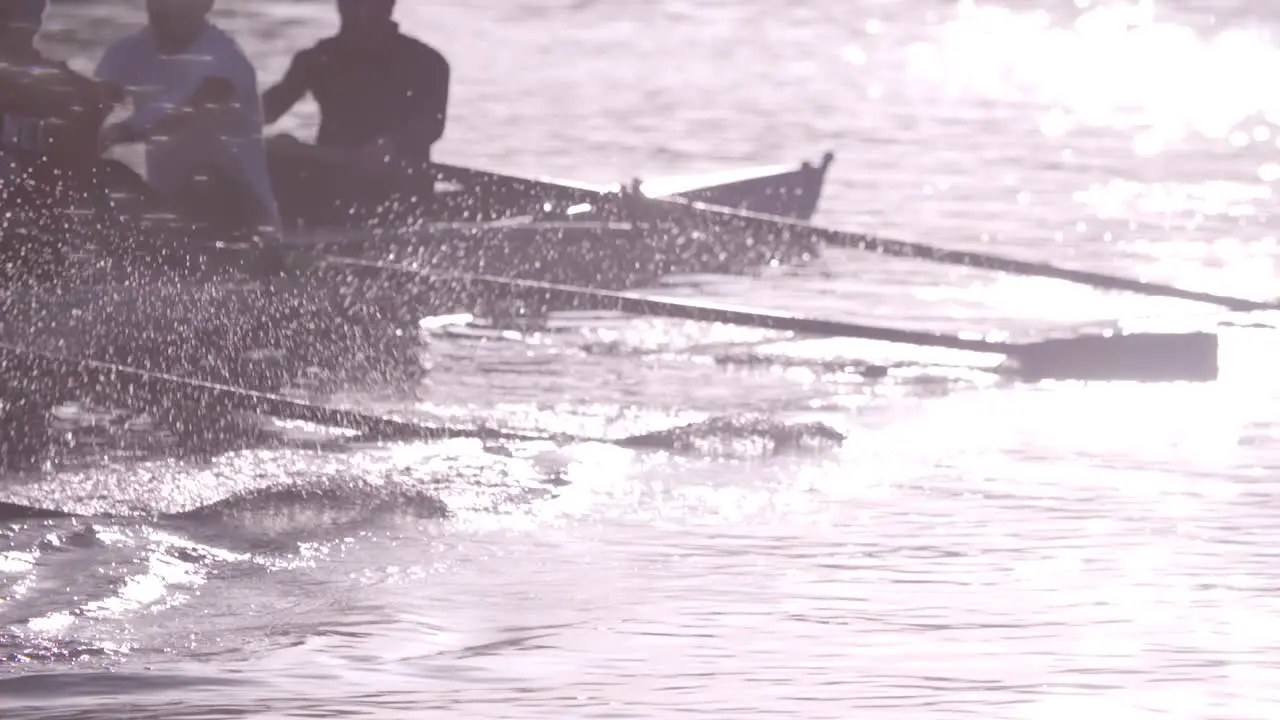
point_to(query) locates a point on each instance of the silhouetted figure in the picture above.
(51, 114)
(383, 99)
(49, 122)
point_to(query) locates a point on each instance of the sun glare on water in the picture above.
(1190, 108)
(1116, 65)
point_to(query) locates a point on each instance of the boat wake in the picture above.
(742, 437)
(357, 480)
(293, 509)
(124, 564)
(68, 588)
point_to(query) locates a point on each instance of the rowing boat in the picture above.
(582, 247)
(317, 188)
(550, 230)
(98, 301)
(175, 304)
(249, 333)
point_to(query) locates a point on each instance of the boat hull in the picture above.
(204, 324)
(198, 319)
(590, 251)
(202, 320)
(451, 194)
(791, 192)
(602, 255)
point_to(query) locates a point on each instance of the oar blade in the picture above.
(1140, 357)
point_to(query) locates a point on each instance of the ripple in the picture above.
(966, 546)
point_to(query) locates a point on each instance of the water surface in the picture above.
(973, 548)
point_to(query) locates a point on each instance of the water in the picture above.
(974, 548)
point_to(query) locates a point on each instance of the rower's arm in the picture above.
(295, 84)
(211, 92)
(161, 118)
(218, 85)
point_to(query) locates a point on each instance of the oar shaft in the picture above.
(1136, 356)
(151, 388)
(898, 248)
(681, 208)
(635, 304)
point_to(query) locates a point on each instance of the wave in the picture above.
(297, 509)
(413, 482)
(741, 436)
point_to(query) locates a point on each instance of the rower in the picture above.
(49, 115)
(197, 109)
(383, 99)
(49, 120)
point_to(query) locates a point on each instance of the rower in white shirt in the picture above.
(197, 109)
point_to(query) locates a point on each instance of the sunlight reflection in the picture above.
(1126, 426)
(148, 588)
(853, 54)
(1115, 65)
(874, 351)
(1247, 362)
(52, 623)
(173, 563)
(15, 562)
(655, 333)
(1047, 302)
(1124, 199)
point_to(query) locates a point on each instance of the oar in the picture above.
(56, 370)
(677, 207)
(1136, 356)
(635, 204)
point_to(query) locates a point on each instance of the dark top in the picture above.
(398, 89)
(49, 111)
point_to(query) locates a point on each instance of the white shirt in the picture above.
(226, 139)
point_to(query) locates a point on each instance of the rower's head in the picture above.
(20, 21)
(177, 23)
(365, 18)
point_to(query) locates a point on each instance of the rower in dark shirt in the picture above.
(373, 83)
(49, 115)
(49, 122)
(383, 100)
